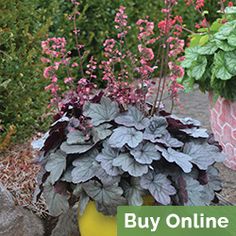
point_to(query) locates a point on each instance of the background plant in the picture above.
(209, 60)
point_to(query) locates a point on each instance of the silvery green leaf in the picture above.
(181, 159)
(106, 159)
(203, 154)
(76, 137)
(56, 203)
(103, 112)
(214, 183)
(145, 153)
(133, 192)
(156, 128)
(169, 141)
(124, 135)
(159, 186)
(83, 202)
(129, 164)
(230, 10)
(39, 143)
(187, 120)
(67, 176)
(65, 225)
(85, 167)
(101, 132)
(196, 193)
(75, 149)
(78, 190)
(56, 165)
(132, 118)
(108, 196)
(196, 132)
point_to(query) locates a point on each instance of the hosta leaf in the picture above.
(203, 154)
(129, 164)
(196, 133)
(76, 149)
(85, 167)
(76, 137)
(195, 191)
(124, 135)
(181, 159)
(132, 118)
(108, 196)
(56, 203)
(156, 128)
(133, 192)
(106, 159)
(101, 132)
(159, 186)
(56, 165)
(145, 153)
(230, 58)
(103, 112)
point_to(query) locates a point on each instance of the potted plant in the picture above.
(210, 62)
(118, 146)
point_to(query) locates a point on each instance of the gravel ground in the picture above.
(196, 105)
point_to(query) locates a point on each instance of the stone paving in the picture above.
(196, 105)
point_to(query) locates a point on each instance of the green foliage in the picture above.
(211, 64)
(23, 24)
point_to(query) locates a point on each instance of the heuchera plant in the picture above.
(210, 57)
(116, 145)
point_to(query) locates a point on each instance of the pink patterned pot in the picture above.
(223, 124)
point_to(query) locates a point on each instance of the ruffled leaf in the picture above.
(130, 165)
(145, 153)
(101, 112)
(196, 132)
(159, 186)
(124, 135)
(132, 118)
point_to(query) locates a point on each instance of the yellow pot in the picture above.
(94, 223)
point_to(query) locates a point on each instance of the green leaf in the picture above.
(195, 38)
(208, 49)
(216, 25)
(223, 45)
(204, 39)
(56, 165)
(230, 10)
(219, 69)
(225, 30)
(232, 39)
(103, 112)
(199, 68)
(230, 61)
(191, 55)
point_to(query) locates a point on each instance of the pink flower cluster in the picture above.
(199, 4)
(121, 83)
